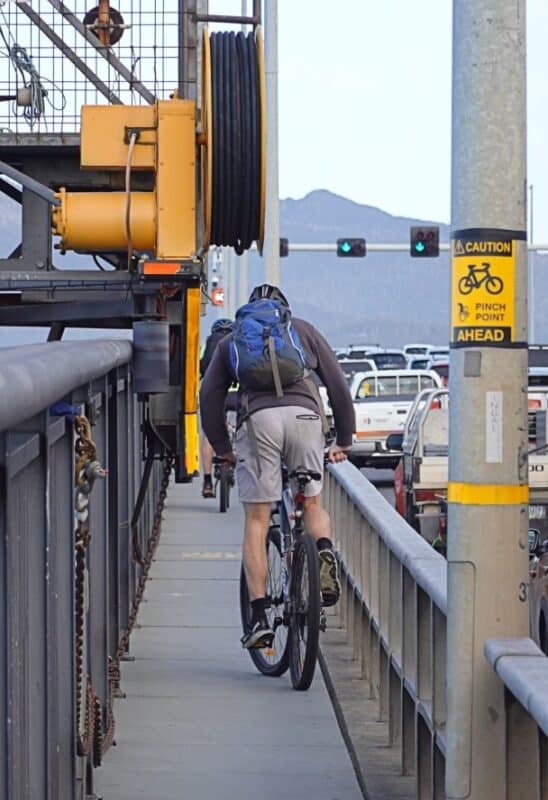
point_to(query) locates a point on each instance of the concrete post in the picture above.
(488, 492)
(271, 250)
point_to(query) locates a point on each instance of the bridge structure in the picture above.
(118, 585)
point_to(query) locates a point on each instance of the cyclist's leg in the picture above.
(304, 446)
(206, 452)
(257, 520)
(258, 450)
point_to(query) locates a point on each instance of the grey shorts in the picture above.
(289, 433)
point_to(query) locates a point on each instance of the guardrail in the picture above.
(68, 582)
(394, 608)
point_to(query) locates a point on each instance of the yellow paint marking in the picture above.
(211, 556)
(487, 494)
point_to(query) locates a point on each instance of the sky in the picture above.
(365, 102)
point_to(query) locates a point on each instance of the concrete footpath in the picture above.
(198, 721)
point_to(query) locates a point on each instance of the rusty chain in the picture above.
(96, 735)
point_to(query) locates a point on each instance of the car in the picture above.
(416, 349)
(418, 362)
(438, 353)
(388, 359)
(441, 367)
(382, 400)
(351, 366)
(359, 351)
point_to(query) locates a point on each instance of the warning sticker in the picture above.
(483, 287)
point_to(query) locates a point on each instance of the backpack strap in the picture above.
(275, 367)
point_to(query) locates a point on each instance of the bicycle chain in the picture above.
(97, 734)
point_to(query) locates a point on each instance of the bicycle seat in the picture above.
(306, 475)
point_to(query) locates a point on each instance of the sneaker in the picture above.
(330, 586)
(260, 635)
(207, 488)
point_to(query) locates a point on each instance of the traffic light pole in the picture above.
(271, 251)
(488, 482)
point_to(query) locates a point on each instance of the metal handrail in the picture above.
(33, 377)
(394, 610)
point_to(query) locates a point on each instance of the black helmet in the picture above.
(267, 292)
(223, 325)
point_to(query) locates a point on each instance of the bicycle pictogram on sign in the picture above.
(478, 277)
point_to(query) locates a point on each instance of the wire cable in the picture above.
(132, 140)
(236, 140)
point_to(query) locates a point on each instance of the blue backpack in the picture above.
(265, 351)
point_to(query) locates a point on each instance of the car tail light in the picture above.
(423, 495)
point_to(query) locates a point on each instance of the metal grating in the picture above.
(29, 59)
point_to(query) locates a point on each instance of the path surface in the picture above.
(198, 721)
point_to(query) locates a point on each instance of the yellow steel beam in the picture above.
(192, 354)
(176, 179)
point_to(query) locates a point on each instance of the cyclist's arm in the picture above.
(213, 391)
(332, 377)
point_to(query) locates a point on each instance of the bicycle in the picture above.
(223, 471)
(223, 475)
(295, 612)
(493, 284)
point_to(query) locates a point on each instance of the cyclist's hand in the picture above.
(230, 458)
(337, 453)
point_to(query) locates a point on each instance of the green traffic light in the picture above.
(346, 247)
(419, 247)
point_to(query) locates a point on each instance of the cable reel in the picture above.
(233, 139)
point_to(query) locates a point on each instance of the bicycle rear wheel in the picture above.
(272, 661)
(224, 490)
(304, 626)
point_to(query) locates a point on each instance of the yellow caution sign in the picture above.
(483, 279)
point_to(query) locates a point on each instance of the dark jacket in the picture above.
(210, 346)
(320, 359)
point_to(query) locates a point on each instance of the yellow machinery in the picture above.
(167, 230)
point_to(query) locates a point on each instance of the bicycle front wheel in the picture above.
(224, 490)
(271, 661)
(304, 626)
(494, 285)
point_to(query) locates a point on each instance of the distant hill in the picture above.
(388, 298)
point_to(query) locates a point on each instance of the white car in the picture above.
(438, 353)
(382, 401)
(416, 349)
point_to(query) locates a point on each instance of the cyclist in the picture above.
(270, 428)
(219, 329)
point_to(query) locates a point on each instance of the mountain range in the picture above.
(389, 298)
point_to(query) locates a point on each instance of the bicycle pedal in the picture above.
(264, 644)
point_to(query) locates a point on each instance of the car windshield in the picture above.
(538, 380)
(389, 360)
(351, 367)
(378, 386)
(416, 351)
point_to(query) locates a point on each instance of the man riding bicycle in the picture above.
(282, 421)
(220, 328)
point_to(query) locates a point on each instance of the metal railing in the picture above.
(47, 654)
(394, 608)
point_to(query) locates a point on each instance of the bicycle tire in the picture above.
(224, 490)
(465, 285)
(304, 624)
(494, 285)
(273, 661)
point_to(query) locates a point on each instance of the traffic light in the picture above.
(284, 247)
(425, 242)
(351, 248)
